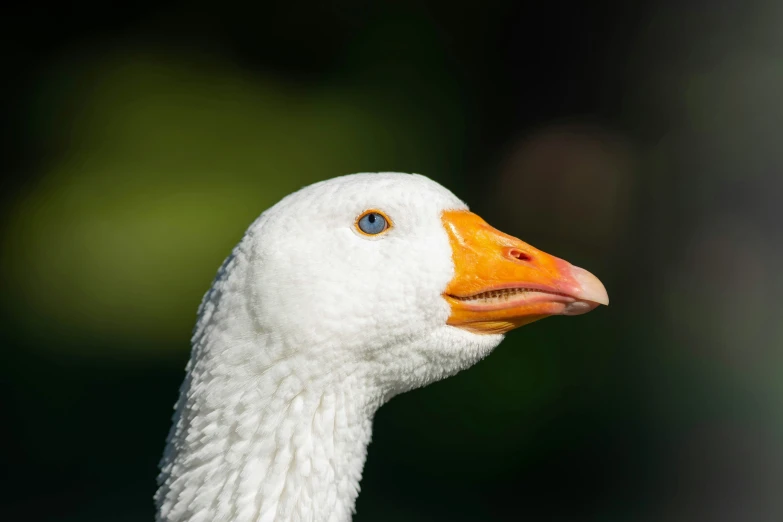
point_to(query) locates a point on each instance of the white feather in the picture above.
(308, 328)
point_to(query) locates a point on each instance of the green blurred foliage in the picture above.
(164, 162)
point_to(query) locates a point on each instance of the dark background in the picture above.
(642, 141)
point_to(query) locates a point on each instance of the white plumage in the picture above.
(309, 327)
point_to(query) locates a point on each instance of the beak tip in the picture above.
(591, 288)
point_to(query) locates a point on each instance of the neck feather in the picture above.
(260, 433)
(276, 447)
(268, 428)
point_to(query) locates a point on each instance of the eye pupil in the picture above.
(371, 218)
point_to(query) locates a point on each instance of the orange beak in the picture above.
(501, 283)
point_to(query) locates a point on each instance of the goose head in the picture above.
(340, 296)
(393, 272)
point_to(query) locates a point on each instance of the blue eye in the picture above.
(372, 223)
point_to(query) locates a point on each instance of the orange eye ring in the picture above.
(367, 221)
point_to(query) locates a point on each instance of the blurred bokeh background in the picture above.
(643, 141)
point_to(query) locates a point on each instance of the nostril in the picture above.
(518, 254)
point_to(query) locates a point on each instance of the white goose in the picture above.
(339, 297)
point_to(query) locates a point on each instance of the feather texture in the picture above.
(308, 328)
